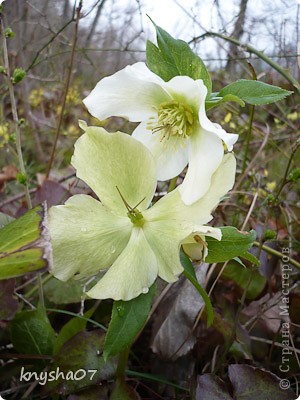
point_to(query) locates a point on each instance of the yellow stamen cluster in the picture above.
(174, 119)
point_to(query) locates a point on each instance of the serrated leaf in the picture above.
(189, 273)
(216, 100)
(241, 276)
(234, 243)
(174, 57)
(32, 333)
(127, 319)
(24, 244)
(254, 92)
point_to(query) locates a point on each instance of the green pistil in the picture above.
(136, 217)
(174, 119)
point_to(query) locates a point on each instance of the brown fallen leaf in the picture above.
(173, 336)
(52, 192)
(8, 173)
(8, 302)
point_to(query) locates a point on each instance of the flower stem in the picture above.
(284, 179)
(260, 54)
(15, 116)
(251, 116)
(121, 369)
(276, 253)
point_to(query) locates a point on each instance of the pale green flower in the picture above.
(135, 243)
(174, 125)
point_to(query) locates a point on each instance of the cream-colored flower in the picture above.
(123, 234)
(174, 125)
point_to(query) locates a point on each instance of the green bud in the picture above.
(21, 121)
(21, 178)
(294, 175)
(2, 69)
(12, 137)
(9, 33)
(270, 198)
(18, 75)
(270, 234)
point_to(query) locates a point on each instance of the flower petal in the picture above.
(187, 90)
(86, 237)
(195, 246)
(131, 93)
(228, 138)
(171, 155)
(206, 154)
(107, 161)
(171, 206)
(132, 273)
(165, 238)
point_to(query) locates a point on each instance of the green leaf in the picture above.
(234, 243)
(172, 57)
(128, 318)
(216, 100)
(59, 292)
(32, 333)
(254, 92)
(241, 276)
(70, 329)
(189, 273)
(80, 357)
(24, 244)
(250, 257)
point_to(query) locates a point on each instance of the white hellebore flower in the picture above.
(174, 125)
(121, 234)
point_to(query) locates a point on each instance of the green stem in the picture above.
(155, 379)
(251, 117)
(121, 369)
(276, 253)
(72, 314)
(15, 116)
(260, 54)
(41, 292)
(18, 144)
(284, 179)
